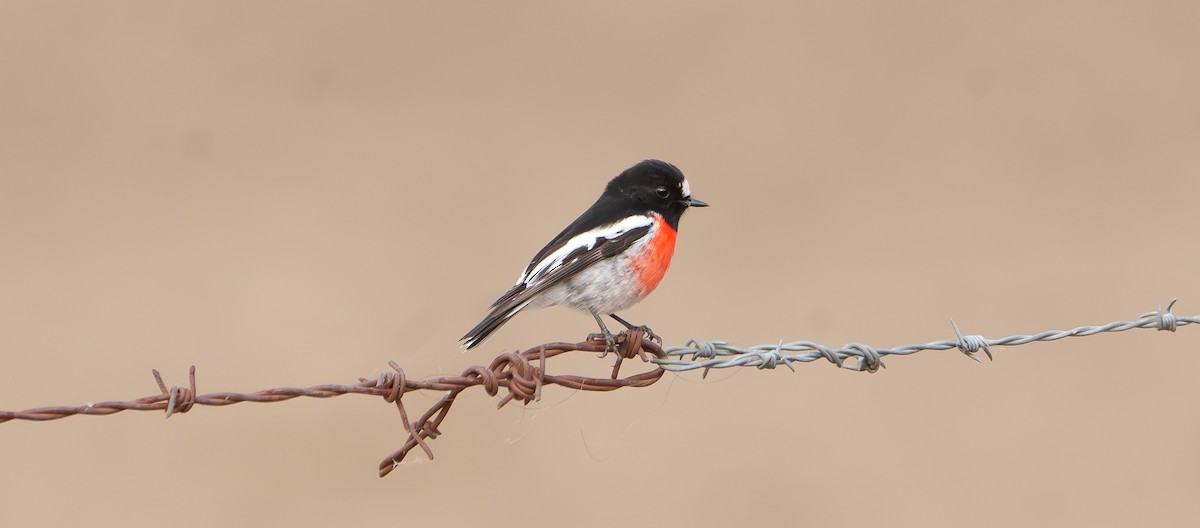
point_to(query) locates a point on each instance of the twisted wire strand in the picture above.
(524, 374)
(707, 355)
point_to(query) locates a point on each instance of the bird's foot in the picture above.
(610, 341)
(646, 331)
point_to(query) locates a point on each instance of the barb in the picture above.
(524, 374)
(707, 355)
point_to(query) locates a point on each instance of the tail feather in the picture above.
(494, 320)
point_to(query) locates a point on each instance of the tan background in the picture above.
(293, 193)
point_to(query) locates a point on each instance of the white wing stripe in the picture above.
(588, 240)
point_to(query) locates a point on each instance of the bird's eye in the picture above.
(662, 192)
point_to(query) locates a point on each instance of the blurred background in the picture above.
(294, 193)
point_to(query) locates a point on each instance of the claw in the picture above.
(645, 329)
(610, 342)
(650, 334)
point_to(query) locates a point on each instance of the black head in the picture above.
(654, 185)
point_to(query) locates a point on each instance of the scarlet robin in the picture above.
(609, 258)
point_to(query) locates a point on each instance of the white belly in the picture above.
(607, 286)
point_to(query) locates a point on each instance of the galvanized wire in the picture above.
(707, 355)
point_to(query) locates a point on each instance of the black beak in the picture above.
(692, 202)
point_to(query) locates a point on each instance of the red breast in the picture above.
(652, 262)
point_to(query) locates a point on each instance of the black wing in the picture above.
(523, 293)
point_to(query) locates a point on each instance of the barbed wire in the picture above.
(523, 374)
(707, 355)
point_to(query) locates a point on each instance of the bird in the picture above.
(608, 259)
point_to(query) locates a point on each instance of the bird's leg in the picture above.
(630, 326)
(609, 340)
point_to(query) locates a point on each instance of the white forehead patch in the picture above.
(687, 189)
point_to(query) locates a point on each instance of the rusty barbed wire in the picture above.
(514, 371)
(523, 374)
(707, 355)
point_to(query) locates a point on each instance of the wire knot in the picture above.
(769, 359)
(417, 432)
(868, 358)
(703, 349)
(490, 384)
(1165, 319)
(395, 380)
(524, 379)
(970, 344)
(631, 346)
(179, 399)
